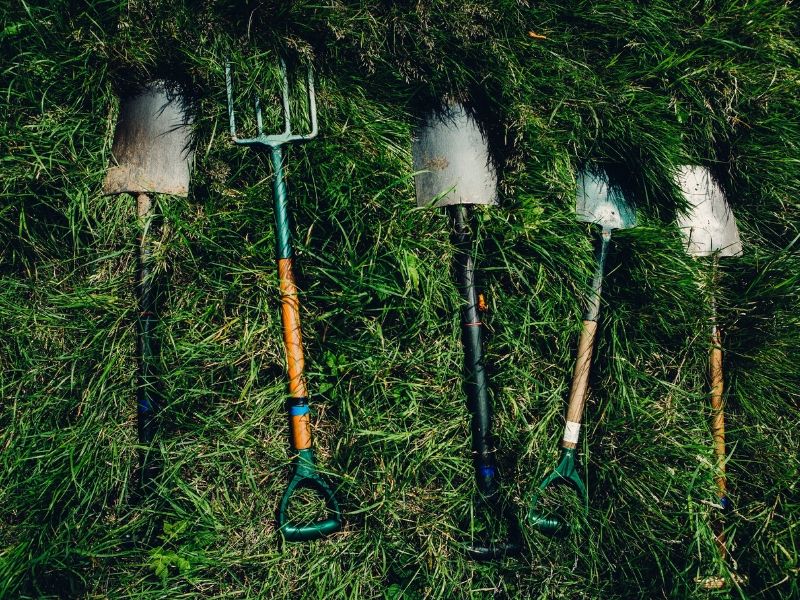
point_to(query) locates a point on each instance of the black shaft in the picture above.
(475, 378)
(147, 398)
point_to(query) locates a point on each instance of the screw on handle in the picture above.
(305, 476)
(564, 474)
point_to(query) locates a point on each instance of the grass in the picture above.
(640, 87)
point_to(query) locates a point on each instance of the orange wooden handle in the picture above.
(717, 408)
(300, 430)
(580, 380)
(292, 339)
(718, 427)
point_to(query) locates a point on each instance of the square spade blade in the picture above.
(599, 203)
(709, 227)
(452, 161)
(152, 144)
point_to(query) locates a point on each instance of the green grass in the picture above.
(640, 87)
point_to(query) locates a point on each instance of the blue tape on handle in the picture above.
(488, 471)
(299, 411)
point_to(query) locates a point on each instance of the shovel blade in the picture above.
(452, 161)
(709, 227)
(152, 145)
(602, 204)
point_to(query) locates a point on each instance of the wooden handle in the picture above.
(580, 384)
(718, 427)
(292, 339)
(299, 417)
(717, 408)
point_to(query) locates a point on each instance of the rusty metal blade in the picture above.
(452, 161)
(152, 150)
(709, 227)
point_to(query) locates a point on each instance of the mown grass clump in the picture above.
(639, 87)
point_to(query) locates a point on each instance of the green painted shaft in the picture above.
(593, 305)
(283, 234)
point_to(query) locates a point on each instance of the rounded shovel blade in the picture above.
(709, 227)
(152, 145)
(599, 203)
(452, 162)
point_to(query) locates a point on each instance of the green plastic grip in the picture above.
(305, 476)
(564, 474)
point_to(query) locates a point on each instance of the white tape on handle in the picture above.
(571, 432)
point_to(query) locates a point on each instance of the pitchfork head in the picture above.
(277, 139)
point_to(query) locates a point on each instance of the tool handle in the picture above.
(583, 361)
(567, 474)
(147, 397)
(494, 550)
(304, 471)
(280, 196)
(718, 428)
(305, 476)
(475, 377)
(717, 408)
(580, 385)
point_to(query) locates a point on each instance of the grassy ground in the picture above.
(641, 87)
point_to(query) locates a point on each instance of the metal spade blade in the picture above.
(451, 158)
(709, 227)
(152, 148)
(602, 204)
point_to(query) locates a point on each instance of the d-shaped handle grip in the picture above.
(306, 476)
(564, 474)
(494, 550)
(493, 507)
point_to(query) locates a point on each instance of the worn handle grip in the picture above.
(306, 476)
(567, 474)
(494, 550)
(492, 508)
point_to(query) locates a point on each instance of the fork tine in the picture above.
(312, 102)
(259, 118)
(273, 140)
(287, 115)
(229, 86)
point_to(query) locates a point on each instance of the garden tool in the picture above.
(304, 470)
(152, 154)
(453, 169)
(600, 204)
(709, 230)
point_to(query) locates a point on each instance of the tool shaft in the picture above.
(299, 414)
(475, 377)
(147, 399)
(716, 378)
(583, 360)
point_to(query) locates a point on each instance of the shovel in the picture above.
(304, 470)
(152, 155)
(605, 206)
(453, 169)
(709, 230)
